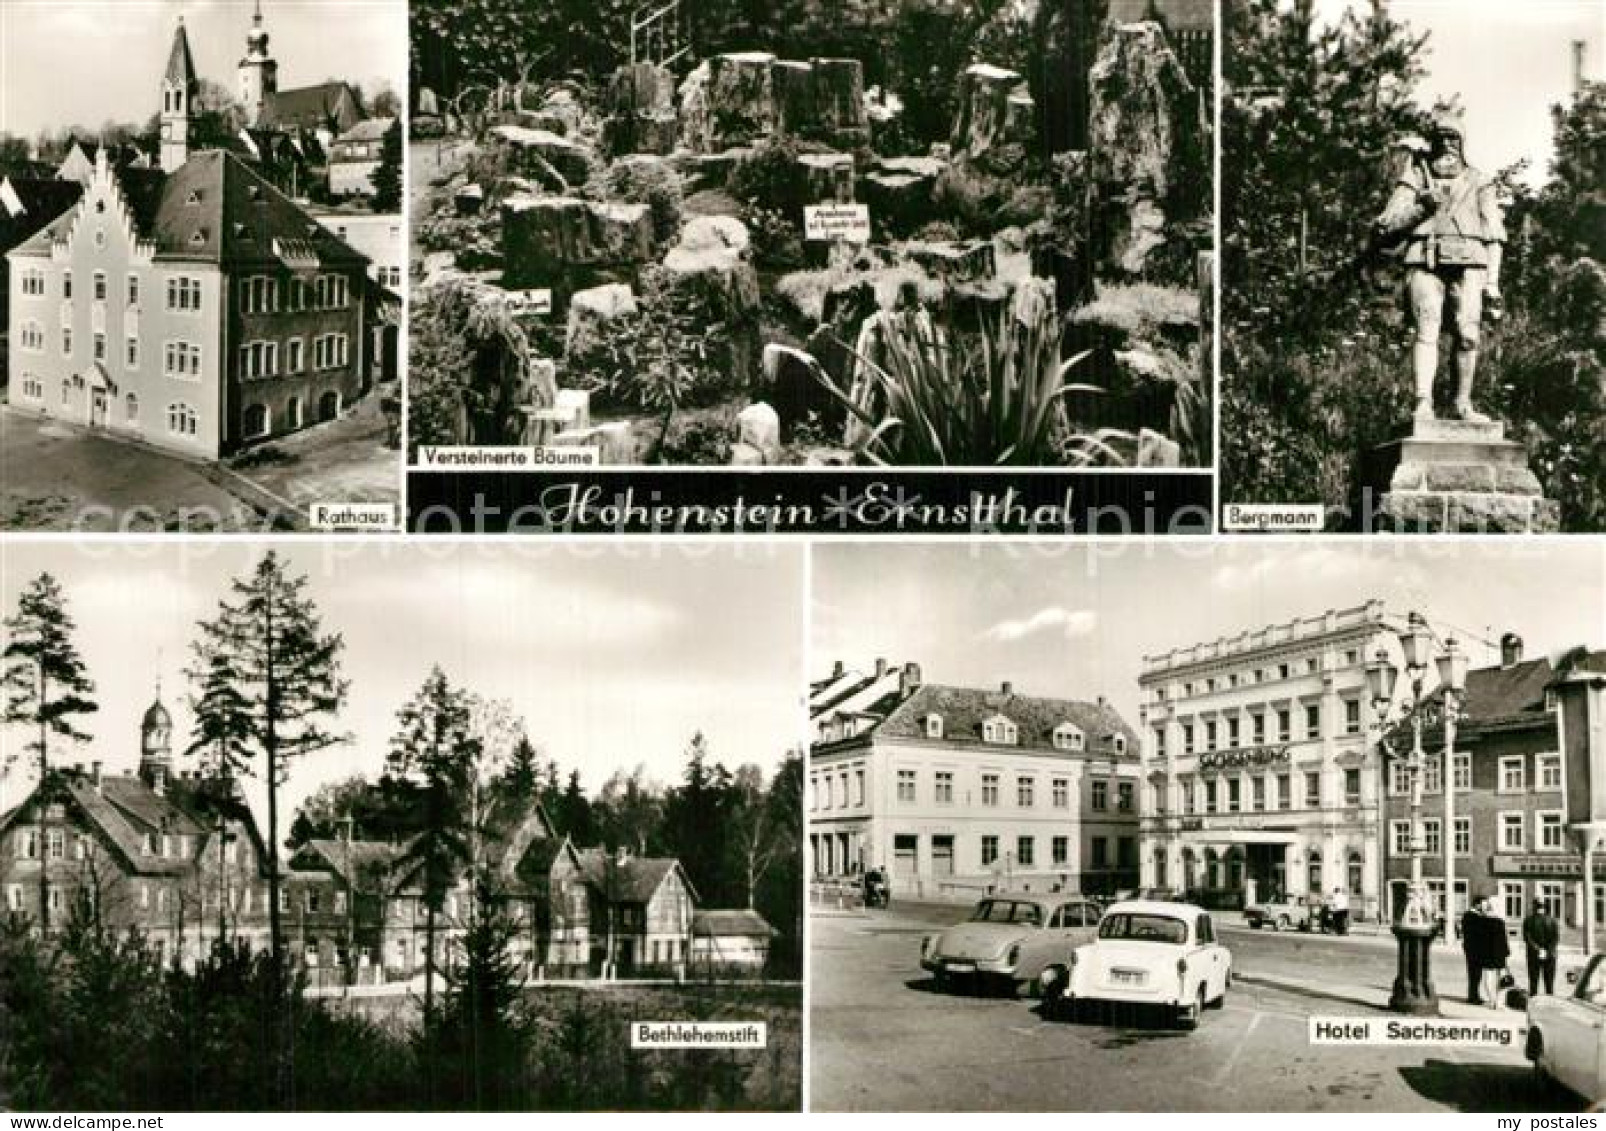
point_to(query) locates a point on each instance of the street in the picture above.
(883, 1040)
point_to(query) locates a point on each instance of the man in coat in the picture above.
(1541, 934)
(1472, 947)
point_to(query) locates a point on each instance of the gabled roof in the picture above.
(728, 924)
(214, 208)
(180, 63)
(329, 105)
(963, 710)
(353, 863)
(40, 199)
(369, 129)
(636, 879)
(1502, 692)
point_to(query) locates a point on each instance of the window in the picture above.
(14, 897)
(1512, 774)
(1313, 720)
(131, 354)
(858, 787)
(1232, 730)
(66, 341)
(1101, 852)
(998, 730)
(312, 901)
(1025, 851)
(1061, 849)
(66, 393)
(1352, 716)
(1062, 793)
(1547, 771)
(1400, 837)
(989, 789)
(1101, 796)
(100, 346)
(1433, 774)
(31, 337)
(181, 361)
(1313, 789)
(183, 293)
(1234, 792)
(1258, 794)
(259, 359)
(989, 850)
(259, 295)
(66, 284)
(131, 408)
(284, 900)
(1285, 791)
(1547, 894)
(1159, 742)
(181, 419)
(1210, 734)
(293, 363)
(132, 292)
(1549, 834)
(1068, 737)
(1511, 901)
(1352, 787)
(33, 388)
(945, 787)
(1187, 738)
(1210, 796)
(1284, 723)
(1431, 833)
(1188, 796)
(55, 844)
(1025, 792)
(1123, 796)
(1461, 770)
(1282, 671)
(1399, 778)
(1511, 838)
(33, 283)
(1463, 836)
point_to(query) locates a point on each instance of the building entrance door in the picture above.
(97, 408)
(942, 856)
(1266, 865)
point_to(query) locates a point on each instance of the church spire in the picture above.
(179, 90)
(259, 74)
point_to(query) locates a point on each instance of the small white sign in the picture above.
(353, 516)
(1478, 1033)
(530, 302)
(1284, 518)
(699, 1035)
(476, 459)
(847, 222)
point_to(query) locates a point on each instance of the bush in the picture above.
(769, 177)
(777, 238)
(657, 186)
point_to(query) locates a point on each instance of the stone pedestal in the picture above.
(1454, 476)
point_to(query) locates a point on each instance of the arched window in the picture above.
(1235, 869)
(255, 422)
(1313, 871)
(1212, 869)
(181, 419)
(131, 407)
(1356, 872)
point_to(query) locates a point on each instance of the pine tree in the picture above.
(221, 733)
(269, 646)
(434, 749)
(387, 178)
(46, 686)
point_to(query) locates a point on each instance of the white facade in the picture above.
(1259, 772)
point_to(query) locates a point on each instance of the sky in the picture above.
(614, 656)
(1074, 620)
(1509, 61)
(84, 62)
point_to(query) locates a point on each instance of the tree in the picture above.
(485, 1035)
(697, 824)
(221, 731)
(574, 812)
(629, 812)
(435, 749)
(388, 177)
(47, 687)
(286, 672)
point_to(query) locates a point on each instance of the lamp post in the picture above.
(1414, 925)
(1452, 664)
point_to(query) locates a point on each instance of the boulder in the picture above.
(745, 455)
(571, 159)
(561, 241)
(826, 177)
(759, 427)
(721, 233)
(591, 311)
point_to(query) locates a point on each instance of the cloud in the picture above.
(1068, 622)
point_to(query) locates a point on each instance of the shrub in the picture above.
(777, 238)
(657, 186)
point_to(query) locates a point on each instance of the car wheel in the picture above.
(1188, 1016)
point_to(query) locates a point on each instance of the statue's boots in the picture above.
(1424, 360)
(1466, 365)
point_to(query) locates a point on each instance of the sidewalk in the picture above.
(1569, 956)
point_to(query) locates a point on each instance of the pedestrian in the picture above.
(1541, 934)
(1496, 952)
(1472, 946)
(1340, 911)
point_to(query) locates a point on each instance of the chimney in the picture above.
(94, 773)
(1006, 689)
(909, 681)
(1578, 66)
(1510, 650)
(880, 668)
(839, 670)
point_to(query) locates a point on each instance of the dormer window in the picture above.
(933, 726)
(1118, 742)
(1068, 737)
(999, 731)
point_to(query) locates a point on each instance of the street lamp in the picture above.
(1414, 925)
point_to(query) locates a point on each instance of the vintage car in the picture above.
(1284, 914)
(1009, 939)
(1567, 1033)
(1145, 953)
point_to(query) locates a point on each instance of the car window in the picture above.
(1137, 927)
(1028, 913)
(989, 912)
(1592, 986)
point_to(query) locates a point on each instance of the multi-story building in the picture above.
(1260, 774)
(196, 308)
(355, 155)
(955, 790)
(1508, 823)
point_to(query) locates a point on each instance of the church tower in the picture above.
(156, 744)
(259, 74)
(179, 90)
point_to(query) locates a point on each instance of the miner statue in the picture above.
(1445, 217)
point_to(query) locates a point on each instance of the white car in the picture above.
(1145, 953)
(1567, 1034)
